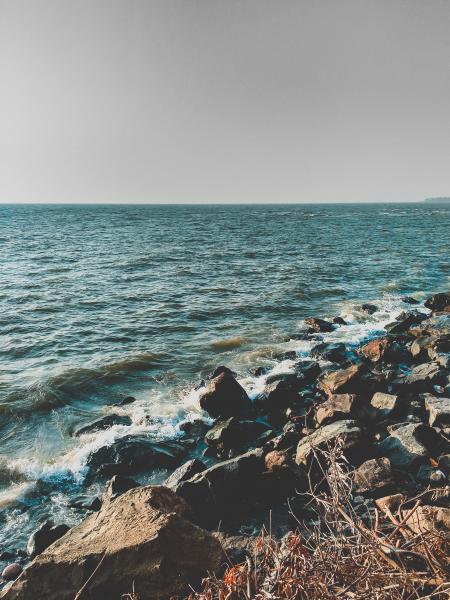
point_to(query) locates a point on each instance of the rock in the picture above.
(319, 325)
(405, 321)
(336, 353)
(233, 433)
(438, 410)
(438, 326)
(195, 428)
(186, 471)
(438, 302)
(219, 370)
(384, 350)
(421, 378)
(390, 503)
(427, 518)
(410, 445)
(280, 394)
(103, 423)
(86, 502)
(307, 372)
(347, 432)
(346, 381)
(117, 486)
(409, 300)
(144, 540)
(225, 489)
(428, 475)
(369, 309)
(277, 459)
(134, 454)
(444, 463)
(373, 477)
(43, 537)
(11, 572)
(342, 406)
(223, 397)
(126, 400)
(339, 321)
(385, 404)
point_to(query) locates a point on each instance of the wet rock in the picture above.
(336, 353)
(438, 302)
(307, 372)
(289, 355)
(352, 380)
(233, 433)
(144, 539)
(103, 423)
(11, 572)
(410, 445)
(258, 371)
(347, 432)
(373, 477)
(226, 489)
(219, 370)
(339, 321)
(421, 378)
(386, 405)
(405, 321)
(409, 300)
(196, 428)
(223, 397)
(427, 518)
(438, 326)
(43, 537)
(134, 454)
(369, 309)
(438, 410)
(384, 350)
(86, 502)
(342, 406)
(126, 400)
(319, 325)
(280, 394)
(186, 471)
(117, 486)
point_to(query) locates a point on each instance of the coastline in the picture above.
(384, 399)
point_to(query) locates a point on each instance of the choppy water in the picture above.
(100, 302)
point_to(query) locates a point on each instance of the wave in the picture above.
(230, 343)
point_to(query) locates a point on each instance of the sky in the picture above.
(224, 100)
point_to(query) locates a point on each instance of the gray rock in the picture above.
(347, 432)
(405, 321)
(336, 353)
(421, 378)
(11, 572)
(374, 478)
(343, 406)
(186, 471)
(410, 445)
(233, 433)
(438, 409)
(86, 502)
(385, 404)
(117, 486)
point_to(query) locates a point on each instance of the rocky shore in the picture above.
(382, 408)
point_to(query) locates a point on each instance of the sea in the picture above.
(101, 302)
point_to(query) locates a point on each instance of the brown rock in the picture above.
(438, 409)
(438, 302)
(144, 536)
(373, 477)
(11, 572)
(428, 518)
(385, 404)
(319, 325)
(342, 406)
(345, 381)
(390, 503)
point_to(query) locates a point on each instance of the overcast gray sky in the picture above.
(224, 100)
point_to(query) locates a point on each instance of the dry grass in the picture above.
(340, 553)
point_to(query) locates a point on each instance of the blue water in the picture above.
(99, 302)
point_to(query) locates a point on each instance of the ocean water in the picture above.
(102, 302)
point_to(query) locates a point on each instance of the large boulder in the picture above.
(233, 433)
(438, 410)
(438, 302)
(133, 454)
(411, 444)
(226, 489)
(346, 432)
(421, 378)
(224, 397)
(144, 538)
(343, 406)
(280, 394)
(353, 380)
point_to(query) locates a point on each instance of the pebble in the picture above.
(11, 572)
